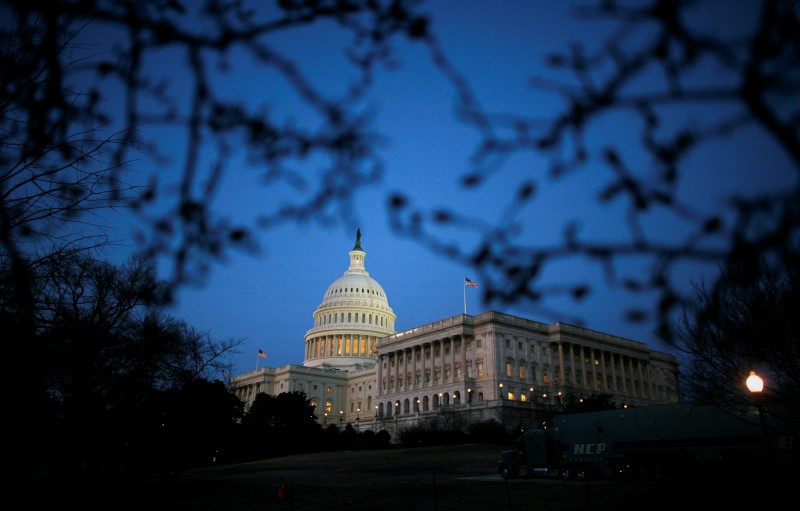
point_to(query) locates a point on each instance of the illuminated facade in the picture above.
(461, 369)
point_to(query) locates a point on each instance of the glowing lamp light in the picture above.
(754, 382)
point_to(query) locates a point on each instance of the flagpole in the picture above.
(465, 297)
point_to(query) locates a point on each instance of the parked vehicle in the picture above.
(649, 440)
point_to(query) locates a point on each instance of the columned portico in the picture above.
(485, 367)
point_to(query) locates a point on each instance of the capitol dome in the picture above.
(353, 315)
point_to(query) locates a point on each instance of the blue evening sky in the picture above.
(498, 45)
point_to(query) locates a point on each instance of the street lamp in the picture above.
(755, 384)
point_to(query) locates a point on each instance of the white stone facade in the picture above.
(357, 370)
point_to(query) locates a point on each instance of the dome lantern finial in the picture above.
(358, 240)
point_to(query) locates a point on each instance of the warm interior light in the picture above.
(754, 382)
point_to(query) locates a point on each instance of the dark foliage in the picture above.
(98, 351)
(681, 87)
(742, 327)
(58, 115)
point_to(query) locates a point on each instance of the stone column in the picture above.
(424, 365)
(624, 373)
(396, 371)
(614, 372)
(463, 358)
(379, 373)
(584, 369)
(572, 364)
(452, 359)
(405, 368)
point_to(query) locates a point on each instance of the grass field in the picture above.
(442, 478)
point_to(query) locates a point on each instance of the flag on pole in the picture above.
(262, 354)
(471, 283)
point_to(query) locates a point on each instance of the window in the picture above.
(522, 370)
(520, 346)
(509, 368)
(508, 343)
(478, 343)
(480, 367)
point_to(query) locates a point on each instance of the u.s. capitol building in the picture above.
(357, 370)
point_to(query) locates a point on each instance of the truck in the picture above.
(655, 440)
